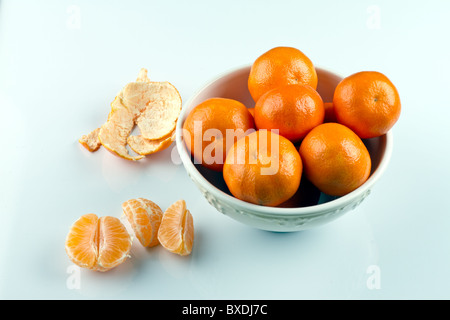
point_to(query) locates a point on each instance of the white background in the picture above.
(61, 64)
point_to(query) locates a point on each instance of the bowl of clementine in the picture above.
(293, 198)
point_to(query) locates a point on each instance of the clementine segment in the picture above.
(263, 168)
(335, 159)
(292, 109)
(98, 243)
(144, 217)
(176, 232)
(212, 127)
(368, 103)
(280, 66)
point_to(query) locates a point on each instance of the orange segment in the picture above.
(81, 246)
(176, 232)
(144, 217)
(114, 243)
(98, 244)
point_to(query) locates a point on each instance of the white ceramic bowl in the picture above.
(233, 85)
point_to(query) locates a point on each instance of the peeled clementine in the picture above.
(98, 243)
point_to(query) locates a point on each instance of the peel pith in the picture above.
(152, 106)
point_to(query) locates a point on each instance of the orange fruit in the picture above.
(280, 66)
(212, 127)
(368, 103)
(98, 243)
(144, 217)
(176, 232)
(292, 109)
(335, 159)
(252, 111)
(263, 168)
(329, 112)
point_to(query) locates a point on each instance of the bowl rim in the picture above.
(266, 210)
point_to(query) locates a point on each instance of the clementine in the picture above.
(368, 103)
(280, 66)
(292, 109)
(335, 159)
(212, 127)
(263, 168)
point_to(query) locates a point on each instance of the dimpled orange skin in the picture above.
(292, 109)
(219, 114)
(257, 173)
(280, 66)
(335, 159)
(368, 103)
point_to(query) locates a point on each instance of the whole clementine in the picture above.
(263, 168)
(280, 66)
(368, 103)
(212, 127)
(293, 109)
(335, 159)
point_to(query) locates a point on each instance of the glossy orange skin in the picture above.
(280, 66)
(218, 114)
(258, 172)
(292, 109)
(368, 103)
(335, 159)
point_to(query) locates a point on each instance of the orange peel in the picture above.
(152, 106)
(144, 146)
(90, 141)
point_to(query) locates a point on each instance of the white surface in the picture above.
(61, 64)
